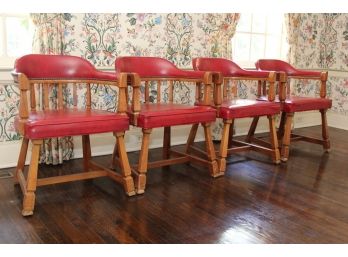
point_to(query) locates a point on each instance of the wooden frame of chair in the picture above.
(179, 157)
(285, 125)
(290, 72)
(91, 169)
(286, 119)
(262, 91)
(229, 145)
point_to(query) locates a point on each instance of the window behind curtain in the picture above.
(259, 36)
(16, 36)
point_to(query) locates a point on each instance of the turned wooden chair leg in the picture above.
(166, 143)
(191, 137)
(281, 127)
(230, 135)
(115, 155)
(86, 148)
(209, 146)
(274, 140)
(30, 184)
(252, 129)
(143, 161)
(325, 131)
(21, 158)
(286, 137)
(224, 145)
(128, 181)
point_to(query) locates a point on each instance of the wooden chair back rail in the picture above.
(171, 91)
(284, 85)
(28, 97)
(75, 98)
(230, 90)
(170, 82)
(46, 90)
(147, 92)
(198, 92)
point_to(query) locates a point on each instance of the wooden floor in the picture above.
(303, 201)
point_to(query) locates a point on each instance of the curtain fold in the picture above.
(292, 22)
(49, 39)
(225, 25)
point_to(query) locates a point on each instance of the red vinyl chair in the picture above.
(35, 125)
(291, 104)
(231, 108)
(147, 70)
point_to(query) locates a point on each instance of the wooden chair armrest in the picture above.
(217, 80)
(282, 78)
(134, 80)
(23, 111)
(271, 91)
(208, 84)
(322, 77)
(122, 79)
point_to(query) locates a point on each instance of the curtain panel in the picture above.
(49, 39)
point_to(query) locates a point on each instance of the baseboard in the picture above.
(102, 144)
(337, 120)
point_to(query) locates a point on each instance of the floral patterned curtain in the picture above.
(292, 22)
(49, 39)
(222, 27)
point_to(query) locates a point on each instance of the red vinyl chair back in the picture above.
(279, 65)
(231, 73)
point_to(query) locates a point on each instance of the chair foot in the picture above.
(129, 186)
(283, 159)
(285, 153)
(214, 169)
(141, 182)
(219, 174)
(131, 193)
(276, 156)
(222, 165)
(26, 213)
(140, 192)
(28, 204)
(327, 150)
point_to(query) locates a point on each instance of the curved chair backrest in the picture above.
(59, 67)
(227, 67)
(231, 72)
(279, 65)
(158, 70)
(154, 67)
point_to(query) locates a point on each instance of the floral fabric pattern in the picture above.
(100, 38)
(50, 38)
(320, 41)
(9, 102)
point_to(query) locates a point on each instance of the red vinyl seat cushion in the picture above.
(68, 122)
(155, 115)
(300, 104)
(242, 108)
